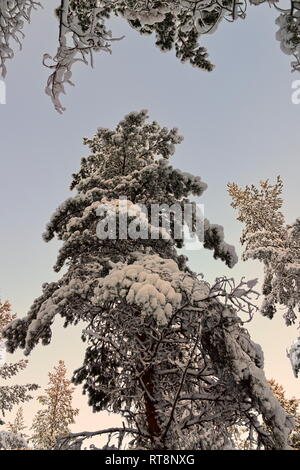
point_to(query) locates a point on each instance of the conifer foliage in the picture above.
(57, 412)
(267, 238)
(165, 349)
(246, 438)
(291, 405)
(176, 24)
(18, 424)
(11, 395)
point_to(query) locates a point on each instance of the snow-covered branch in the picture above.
(13, 14)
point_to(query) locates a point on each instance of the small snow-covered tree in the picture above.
(17, 426)
(176, 24)
(57, 414)
(11, 395)
(14, 438)
(165, 350)
(269, 239)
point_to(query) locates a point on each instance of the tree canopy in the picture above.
(177, 25)
(269, 239)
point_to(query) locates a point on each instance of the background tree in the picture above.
(14, 438)
(18, 424)
(57, 413)
(11, 395)
(166, 350)
(177, 24)
(291, 405)
(269, 239)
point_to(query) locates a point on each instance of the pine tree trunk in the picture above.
(150, 409)
(151, 414)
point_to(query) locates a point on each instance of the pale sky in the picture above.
(239, 125)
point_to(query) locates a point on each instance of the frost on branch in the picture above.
(13, 14)
(165, 350)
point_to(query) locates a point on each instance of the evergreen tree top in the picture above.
(133, 145)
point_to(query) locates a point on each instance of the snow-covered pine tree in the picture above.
(166, 350)
(177, 24)
(57, 414)
(269, 239)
